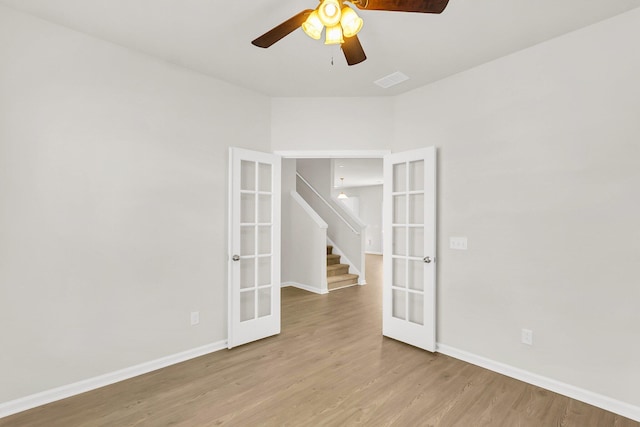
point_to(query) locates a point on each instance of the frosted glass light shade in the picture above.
(334, 35)
(350, 21)
(342, 196)
(329, 12)
(313, 26)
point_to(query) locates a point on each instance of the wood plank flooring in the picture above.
(330, 366)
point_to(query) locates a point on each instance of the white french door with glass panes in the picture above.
(254, 246)
(409, 288)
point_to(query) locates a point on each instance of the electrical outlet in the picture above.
(459, 243)
(527, 336)
(195, 318)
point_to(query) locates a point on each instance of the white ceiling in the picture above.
(357, 172)
(213, 37)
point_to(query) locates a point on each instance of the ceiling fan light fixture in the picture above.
(313, 26)
(329, 12)
(351, 22)
(334, 35)
(343, 29)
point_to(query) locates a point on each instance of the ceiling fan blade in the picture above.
(353, 51)
(420, 6)
(282, 30)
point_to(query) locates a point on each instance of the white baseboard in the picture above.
(29, 402)
(373, 253)
(343, 287)
(48, 396)
(595, 399)
(304, 287)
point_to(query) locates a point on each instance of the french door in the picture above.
(254, 246)
(409, 289)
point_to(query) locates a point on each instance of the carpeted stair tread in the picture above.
(337, 269)
(342, 280)
(333, 259)
(338, 274)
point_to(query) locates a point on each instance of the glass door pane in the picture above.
(409, 301)
(254, 246)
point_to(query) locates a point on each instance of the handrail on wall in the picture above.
(357, 233)
(309, 210)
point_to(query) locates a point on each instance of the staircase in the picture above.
(338, 274)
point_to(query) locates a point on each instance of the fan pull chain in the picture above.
(335, 48)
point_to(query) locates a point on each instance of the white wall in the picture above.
(318, 173)
(308, 261)
(287, 250)
(352, 202)
(539, 159)
(113, 182)
(331, 123)
(304, 238)
(370, 213)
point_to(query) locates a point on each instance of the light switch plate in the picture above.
(459, 243)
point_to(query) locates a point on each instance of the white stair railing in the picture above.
(345, 235)
(348, 224)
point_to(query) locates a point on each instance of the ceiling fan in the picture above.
(342, 23)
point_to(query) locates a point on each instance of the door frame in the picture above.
(336, 154)
(333, 154)
(345, 154)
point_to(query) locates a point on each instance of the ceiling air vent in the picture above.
(391, 80)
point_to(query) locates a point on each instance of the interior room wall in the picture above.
(539, 166)
(288, 176)
(370, 213)
(318, 172)
(331, 123)
(303, 243)
(113, 183)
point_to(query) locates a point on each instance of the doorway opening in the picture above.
(408, 216)
(331, 216)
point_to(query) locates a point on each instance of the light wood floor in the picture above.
(330, 366)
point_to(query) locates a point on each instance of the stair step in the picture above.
(341, 280)
(329, 249)
(337, 269)
(333, 259)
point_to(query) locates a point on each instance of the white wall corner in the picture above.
(604, 402)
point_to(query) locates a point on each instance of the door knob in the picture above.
(236, 258)
(427, 259)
